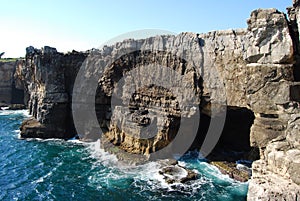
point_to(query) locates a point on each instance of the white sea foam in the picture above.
(147, 176)
(41, 179)
(10, 112)
(244, 168)
(49, 174)
(42, 140)
(77, 142)
(102, 156)
(216, 173)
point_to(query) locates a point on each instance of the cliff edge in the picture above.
(253, 73)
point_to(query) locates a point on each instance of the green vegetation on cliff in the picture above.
(10, 59)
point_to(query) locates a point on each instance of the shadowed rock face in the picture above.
(253, 71)
(7, 71)
(48, 76)
(9, 91)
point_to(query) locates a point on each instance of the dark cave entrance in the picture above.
(234, 143)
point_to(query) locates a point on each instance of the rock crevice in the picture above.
(253, 70)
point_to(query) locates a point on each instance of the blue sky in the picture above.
(86, 24)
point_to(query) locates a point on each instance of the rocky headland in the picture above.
(251, 73)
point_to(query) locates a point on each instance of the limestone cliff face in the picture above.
(276, 175)
(49, 76)
(252, 69)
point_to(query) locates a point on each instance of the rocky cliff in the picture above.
(252, 74)
(48, 76)
(10, 93)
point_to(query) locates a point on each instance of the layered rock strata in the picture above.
(255, 69)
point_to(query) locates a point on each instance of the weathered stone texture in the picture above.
(269, 37)
(254, 68)
(267, 185)
(48, 77)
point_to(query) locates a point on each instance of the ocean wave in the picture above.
(47, 169)
(147, 178)
(24, 112)
(47, 175)
(101, 156)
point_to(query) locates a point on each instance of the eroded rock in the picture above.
(269, 44)
(48, 77)
(254, 68)
(234, 171)
(172, 172)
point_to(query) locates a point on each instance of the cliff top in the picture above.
(10, 59)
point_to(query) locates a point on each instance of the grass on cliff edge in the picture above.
(10, 59)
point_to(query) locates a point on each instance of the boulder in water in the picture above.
(174, 173)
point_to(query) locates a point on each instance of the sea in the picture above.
(35, 169)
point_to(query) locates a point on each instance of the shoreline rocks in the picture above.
(172, 172)
(17, 107)
(31, 128)
(254, 69)
(232, 170)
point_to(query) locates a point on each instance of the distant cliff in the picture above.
(257, 69)
(9, 91)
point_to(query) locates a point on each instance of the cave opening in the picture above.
(234, 142)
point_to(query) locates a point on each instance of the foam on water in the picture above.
(148, 173)
(5, 112)
(37, 169)
(100, 155)
(47, 175)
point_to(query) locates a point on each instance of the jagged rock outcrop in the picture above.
(276, 175)
(174, 173)
(270, 38)
(252, 71)
(49, 76)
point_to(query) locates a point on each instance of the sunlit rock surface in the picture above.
(255, 68)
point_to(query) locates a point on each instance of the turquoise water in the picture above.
(69, 170)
